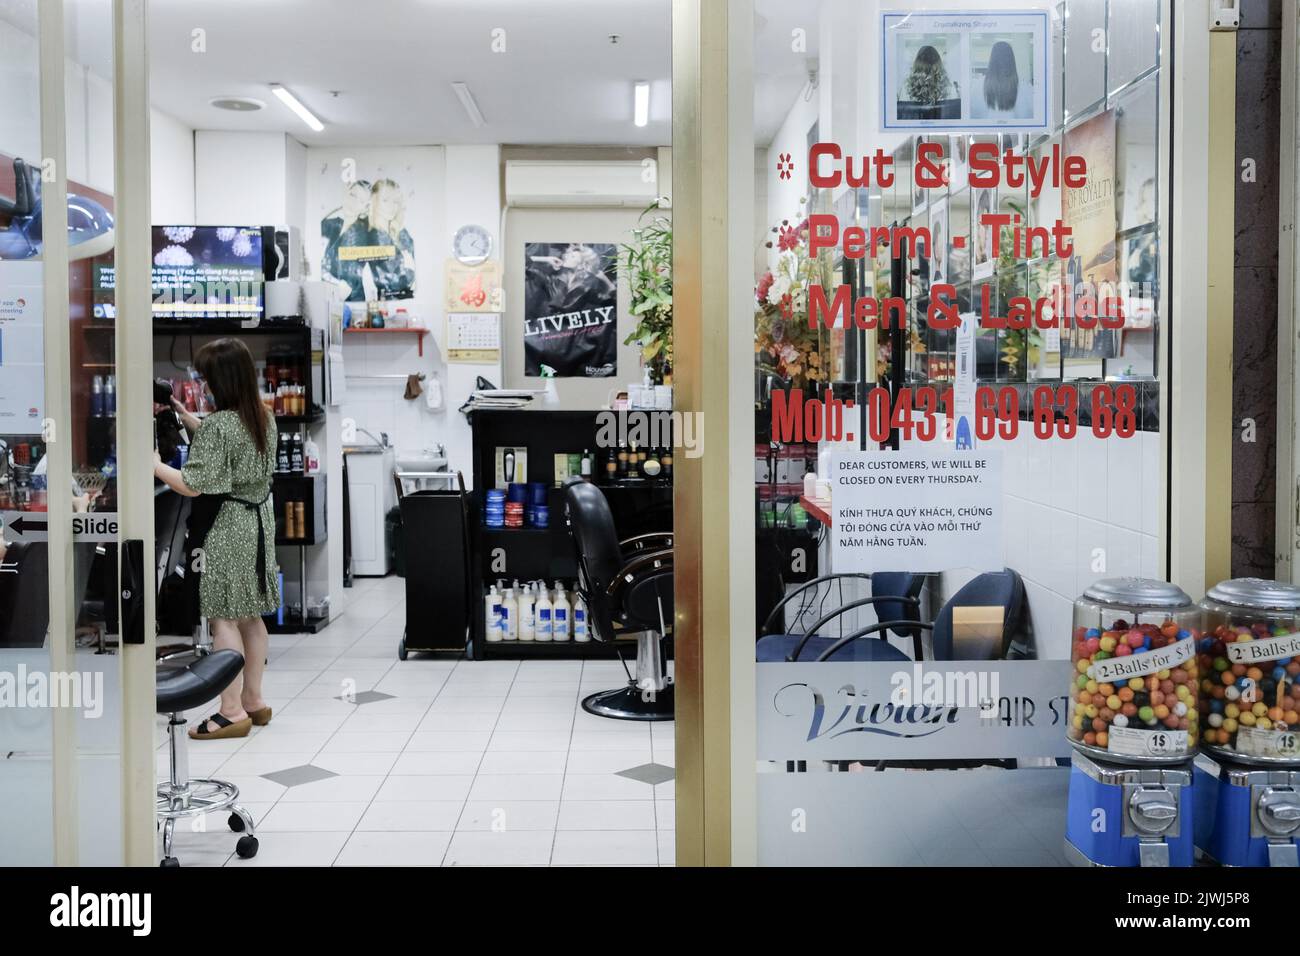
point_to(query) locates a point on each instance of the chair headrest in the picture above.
(593, 528)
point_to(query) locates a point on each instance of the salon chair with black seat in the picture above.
(628, 588)
(183, 795)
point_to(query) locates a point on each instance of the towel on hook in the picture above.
(413, 389)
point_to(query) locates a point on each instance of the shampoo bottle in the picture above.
(527, 615)
(492, 616)
(560, 614)
(544, 621)
(510, 616)
(580, 632)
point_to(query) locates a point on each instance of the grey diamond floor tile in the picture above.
(651, 773)
(293, 776)
(367, 697)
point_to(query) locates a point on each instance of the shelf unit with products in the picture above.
(544, 444)
(289, 359)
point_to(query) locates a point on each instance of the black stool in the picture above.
(183, 796)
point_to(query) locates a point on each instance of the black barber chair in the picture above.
(185, 796)
(627, 587)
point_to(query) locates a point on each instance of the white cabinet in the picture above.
(371, 495)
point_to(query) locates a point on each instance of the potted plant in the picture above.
(783, 342)
(647, 262)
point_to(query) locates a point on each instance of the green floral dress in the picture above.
(224, 461)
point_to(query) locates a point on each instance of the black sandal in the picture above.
(225, 728)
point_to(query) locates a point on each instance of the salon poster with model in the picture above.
(571, 309)
(1089, 211)
(368, 250)
(964, 71)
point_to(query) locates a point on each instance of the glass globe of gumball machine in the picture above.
(1248, 774)
(1132, 721)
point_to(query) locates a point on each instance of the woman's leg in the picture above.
(256, 645)
(226, 634)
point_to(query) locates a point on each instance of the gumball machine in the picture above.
(1248, 777)
(1132, 721)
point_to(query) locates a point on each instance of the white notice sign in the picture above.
(918, 511)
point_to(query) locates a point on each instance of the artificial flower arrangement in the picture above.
(783, 342)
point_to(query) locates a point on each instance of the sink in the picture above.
(419, 460)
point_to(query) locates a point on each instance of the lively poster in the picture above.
(571, 309)
(367, 248)
(1089, 211)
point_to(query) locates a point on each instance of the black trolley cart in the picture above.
(436, 543)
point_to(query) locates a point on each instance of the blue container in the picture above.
(517, 492)
(537, 493)
(1103, 827)
(1238, 819)
(540, 517)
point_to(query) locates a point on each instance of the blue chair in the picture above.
(895, 599)
(992, 588)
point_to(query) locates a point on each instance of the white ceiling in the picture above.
(392, 63)
(559, 80)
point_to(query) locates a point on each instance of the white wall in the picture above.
(171, 170)
(240, 179)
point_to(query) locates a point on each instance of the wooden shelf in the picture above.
(419, 332)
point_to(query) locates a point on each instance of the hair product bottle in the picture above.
(560, 614)
(543, 616)
(492, 615)
(527, 614)
(580, 632)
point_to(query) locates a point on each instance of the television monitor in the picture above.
(200, 272)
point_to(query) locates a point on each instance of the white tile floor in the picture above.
(464, 763)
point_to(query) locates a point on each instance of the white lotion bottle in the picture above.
(510, 616)
(560, 614)
(527, 615)
(492, 616)
(544, 619)
(581, 634)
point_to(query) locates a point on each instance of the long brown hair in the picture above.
(227, 366)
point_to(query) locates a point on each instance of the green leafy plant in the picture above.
(647, 263)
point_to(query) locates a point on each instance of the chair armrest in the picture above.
(640, 542)
(649, 561)
(648, 565)
(804, 587)
(825, 655)
(861, 602)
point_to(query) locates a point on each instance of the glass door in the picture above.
(65, 653)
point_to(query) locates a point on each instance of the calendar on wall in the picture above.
(474, 338)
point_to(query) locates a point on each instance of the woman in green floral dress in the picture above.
(228, 473)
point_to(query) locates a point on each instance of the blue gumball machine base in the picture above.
(1130, 815)
(1248, 815)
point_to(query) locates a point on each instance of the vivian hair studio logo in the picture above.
(79, 690)
(920, 704)
(75, 909)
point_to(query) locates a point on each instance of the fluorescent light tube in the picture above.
(291, 101)
(641, 105)
(467, 100)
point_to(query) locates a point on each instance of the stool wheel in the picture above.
(169, 862)
(235, 822)
(401, 649)
(246, 847)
